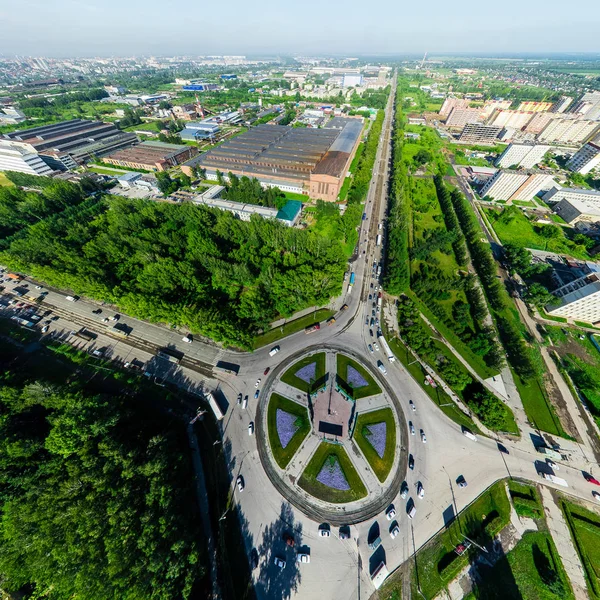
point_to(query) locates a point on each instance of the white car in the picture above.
(105, 320)
(596, 496)
(187, 339)
(303, 558)
(420, 490)
(376, 346)
(38, 287)
(324, 532)
(279, 562)
(411, 428)
(391, 513)
(44, 328)
(394, 532)
(257, 382)
(404, 490)
(251, 428)
(423, 438)
(245, 402)
(552, 465)
(240, 483)
(412, 405)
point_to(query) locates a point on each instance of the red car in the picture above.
(267, 370)
(590, 479)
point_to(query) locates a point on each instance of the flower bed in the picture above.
(375, 434)
(331, 476)
(304, 373)
(287, 425)
(354, 378)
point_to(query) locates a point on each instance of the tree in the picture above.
(422, 157)
(166, 184)
(549, 231)
(184, 180)
(199, 172)
(538, 295)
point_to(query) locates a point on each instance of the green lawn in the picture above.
(443, 401)
(514, 227)
(106, 171)
(278, 333)
(293, 196)
(437, 563)
(371, 389)
(344, 189)
(526, 500)
(532, 570)
(356, 158)
(290, 378)
(308, 480)
(585, 532)
(538, 408)
(380, 465)
(284, 455)
(5, 181)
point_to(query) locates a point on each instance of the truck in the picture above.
(379, 575)
(379, 299)
(352, 277)
(168, 354)
(312, 328)
(378, 240)
(118, 330)
(386, 348)
(553, 479)
(86, 335)
(212, 402)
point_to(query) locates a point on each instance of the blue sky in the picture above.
(120, 27)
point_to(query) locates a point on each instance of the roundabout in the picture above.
(332, 435)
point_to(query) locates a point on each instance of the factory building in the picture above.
(152, 156)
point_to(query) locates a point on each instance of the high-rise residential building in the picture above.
(459, 117)
(452, 103)
(539, 121)
(579, 299)
(510, 118)
(490, 106)
(516, 185)
(561, 105)
(478, 133)
(522, 155)
(535, 106)
(586, 159)
(567, 131)
(14, 158)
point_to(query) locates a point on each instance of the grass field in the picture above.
(5, 181)
(290, 327)
(343, 362)
(284, 455)
(290, 378)
(514, 227)
(585, 532)
(308, 480)
(105, 171)
(380, 465)
(526, 499)
(437, 563)
(444, 402)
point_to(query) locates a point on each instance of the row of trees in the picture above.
(249, 191)
(96, 495)
(64, 99)
(459, 247)
(397, 270)
(518, 352)
(181, 264)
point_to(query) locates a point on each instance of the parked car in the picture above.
(239, 398)
(267, 370)
(279, 562)
(187, 339)
(251, 428)
(461, 481)
(420, 490)
(390, 513)
(411, 462)
(394, 531)
(370, 348)
(256, 394)
(344, 532)
(404, 490)
(324, 530)
(303, 558)
(411, 428)
(257, 382)
(245, 402)
(253, 558)
(423, 438)
(240, 483)
(288, 538)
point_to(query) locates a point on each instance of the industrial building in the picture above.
(477, 133)
(68, 144)
(314, 161)
(510, 118)
(586, 159)
(152, 156)
(575, 210)
(200, 87)
(199, 130)
(516, 185)
(525, 156)
(556, 195)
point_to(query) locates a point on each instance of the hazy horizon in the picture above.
(87, 28)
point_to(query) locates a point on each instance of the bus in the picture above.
(86, 335)
(116, 330)
(170, 355)
(227, 368)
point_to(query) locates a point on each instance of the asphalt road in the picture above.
(338, 568)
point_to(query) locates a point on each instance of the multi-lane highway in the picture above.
(338, 568)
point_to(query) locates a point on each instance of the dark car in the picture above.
(411, 462)
(371, 332)
(461, 481)
(267, 370)
(97, 311)
(253, 558)
(288, 538)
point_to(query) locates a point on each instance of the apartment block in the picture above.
(451, 103)
(535, 106)
(586, 159)
(522, 155)
(579, 300)
(565, 131)
(539, 121)
(561, 105)
(459, 117)
(14, 158)
(478, 133)
(510, 118)
(589, 106)
(491, 105)
(516, 185)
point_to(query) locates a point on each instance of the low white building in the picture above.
(15, 158)
(579, 300)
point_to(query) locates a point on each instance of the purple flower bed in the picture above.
(307, 373)
(376, 435)
(355, 379)
(332, 475)
(286, 426)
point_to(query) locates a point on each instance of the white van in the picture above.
(71, 298)
(468, 434)
(412, 512)
(381, 367)
(274, 351)
(245, 402)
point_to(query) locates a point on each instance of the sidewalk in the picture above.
(562, 539)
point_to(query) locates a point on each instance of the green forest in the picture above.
(97, 498)
(184, 265)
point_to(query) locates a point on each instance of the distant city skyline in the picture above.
(68, 28)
